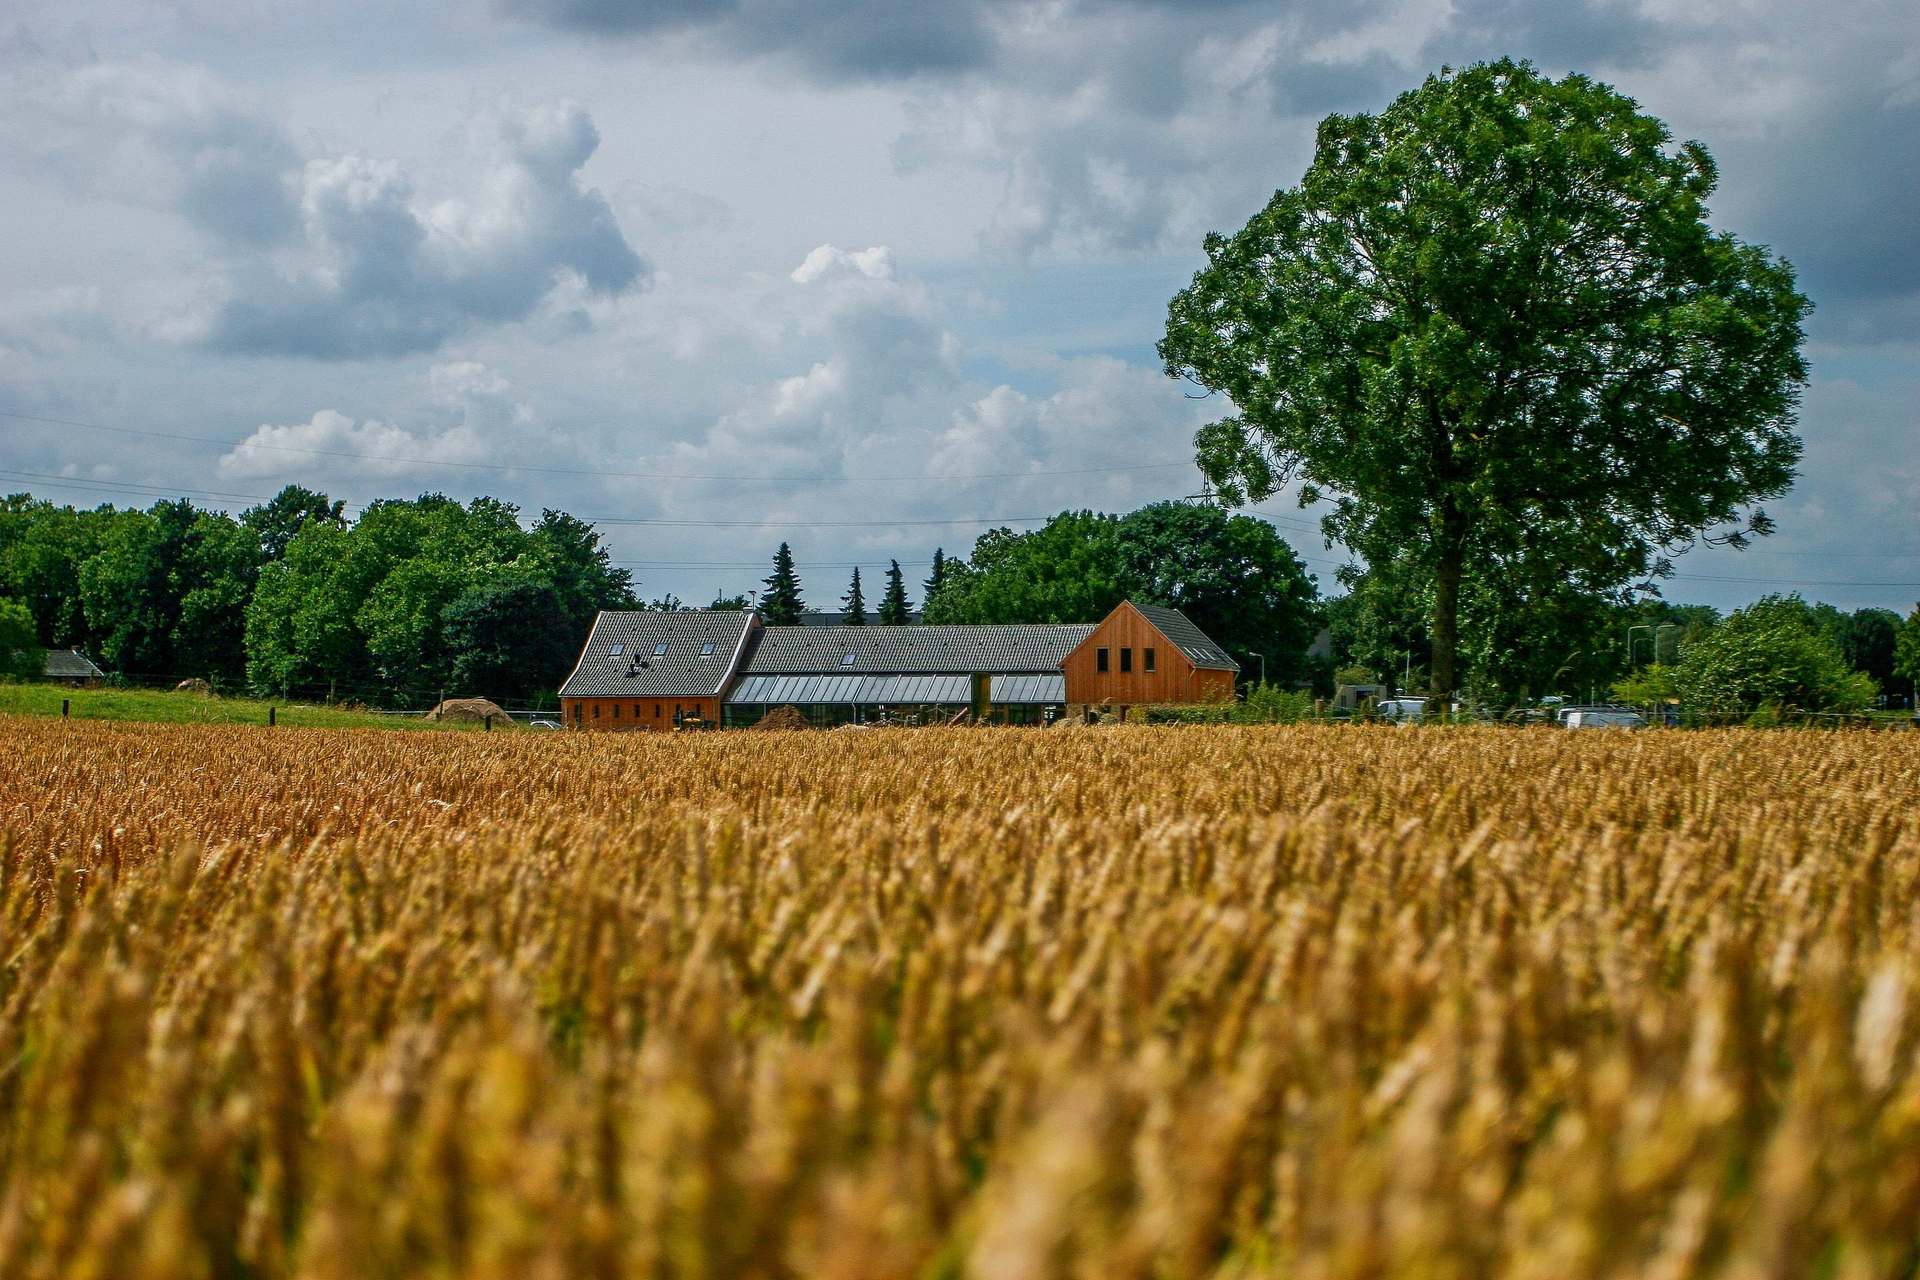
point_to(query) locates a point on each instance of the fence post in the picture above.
(64, 704)
(270, 711)
(487, 721)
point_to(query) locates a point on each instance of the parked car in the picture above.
(1400, 710)
(1603, 718)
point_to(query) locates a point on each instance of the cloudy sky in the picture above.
(719, 272)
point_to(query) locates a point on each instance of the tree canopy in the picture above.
(1492, 327)
(1231, 574)
(1769, 654)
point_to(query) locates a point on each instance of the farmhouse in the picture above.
(660, 671)
(655, 670)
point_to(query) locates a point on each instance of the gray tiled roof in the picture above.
(70, 664)
(880, 650)
(1191, 640)
(683, 672)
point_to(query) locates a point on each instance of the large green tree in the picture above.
(1769, 654)
(21, 655)
(1232, 574)
(167, 592)
(276, 521)
(1492, 326)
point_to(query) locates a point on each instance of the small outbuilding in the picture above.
(72, 667)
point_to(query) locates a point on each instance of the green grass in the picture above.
(190, 708)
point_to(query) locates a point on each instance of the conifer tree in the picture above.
(854, 603)
(780, 603)
(893, 605)
(934, 579)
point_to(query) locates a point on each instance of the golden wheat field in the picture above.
(1118, 1002)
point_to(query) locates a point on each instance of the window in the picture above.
(1099, 659)
(1126, 659)
(656, 711)
(636, 711)
(616, 711)
(706, 650)
(596, 711)
(1147, 655)
(660, 650)
(616, 651)
(847, 661)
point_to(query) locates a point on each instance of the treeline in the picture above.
(292, 598)
(415, 597)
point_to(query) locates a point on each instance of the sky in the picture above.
(866, 277)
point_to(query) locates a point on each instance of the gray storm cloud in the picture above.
(382, 273)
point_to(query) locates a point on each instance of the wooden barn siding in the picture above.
(1175, 680)
(707, 708)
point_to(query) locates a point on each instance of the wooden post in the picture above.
(270, 717)
(64, 704)
(487, 721)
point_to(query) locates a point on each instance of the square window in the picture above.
(847, 661)
(1099, 659)
(660, 650)
(616, 651)
(1147, 655)
(1126, 659)
(706, 650)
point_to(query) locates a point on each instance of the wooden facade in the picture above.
(644, 715)
(1141, 666)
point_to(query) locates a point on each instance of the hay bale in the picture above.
(195, 686)
(470, 711)
(783, 718)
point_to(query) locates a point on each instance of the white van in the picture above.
(1603, 718)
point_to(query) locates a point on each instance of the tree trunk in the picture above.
(1446, 612)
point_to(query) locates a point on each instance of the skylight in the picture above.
(617, 650)
(706, 650)
(847, 661)
(660, 650)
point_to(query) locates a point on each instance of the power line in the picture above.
(590, 471)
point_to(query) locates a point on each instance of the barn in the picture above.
(853, 675)
(651, 670)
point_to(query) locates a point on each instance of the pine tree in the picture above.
(780, 604)
(854, 603)
(938, 576)
(893, 604)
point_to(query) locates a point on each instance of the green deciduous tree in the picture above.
(1231, 574)
(780, 603)
(1492, 326)
(893, 603)
(167, 591)
(276, 521)
(1768, 654)
(22, 657)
